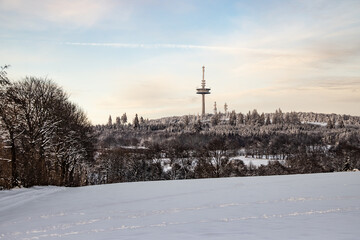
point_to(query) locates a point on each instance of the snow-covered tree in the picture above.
(186, 120)
(278, 117)
(240, 118)
(340, 123)
(118, 122)
(232, 118)
(215, 119)
(287, 118)
(254, 118)
(48, 131)
(198, 125)
(330, 124)
(109, 121)
(226, 109)
(268, 121)
(124, 118)
(294, 118)
(9, 126)
(261, 120)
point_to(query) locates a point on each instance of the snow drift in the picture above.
(316, 206)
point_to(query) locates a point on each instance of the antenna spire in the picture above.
(203, 78)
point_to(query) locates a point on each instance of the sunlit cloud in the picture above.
(174, 46)
(37, 14)
(228, 50)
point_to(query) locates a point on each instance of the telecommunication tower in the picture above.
(203, 90)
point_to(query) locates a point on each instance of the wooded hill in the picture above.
(203, 147)
(47, 140)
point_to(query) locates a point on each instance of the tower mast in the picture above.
(203, 90)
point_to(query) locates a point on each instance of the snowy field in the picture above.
(248, 161)
(257, 162)
(316, 206)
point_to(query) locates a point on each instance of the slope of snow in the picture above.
(322, 124)
(255, 161)
(316, 206)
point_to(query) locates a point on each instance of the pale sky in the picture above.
(145, 56)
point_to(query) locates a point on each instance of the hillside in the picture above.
(173, 148)
(315, 206)
(190, 147)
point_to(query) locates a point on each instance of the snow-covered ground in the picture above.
(255, 161)
(248, 161)
(316, 206)
(322, 124)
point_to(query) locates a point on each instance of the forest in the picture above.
(201, 147)
(47, 140)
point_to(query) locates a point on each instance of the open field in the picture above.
(314, 206)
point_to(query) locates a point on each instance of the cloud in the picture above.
(330, 83)
(176, 46)
(229, 50)
(39, 13)
(106, 14)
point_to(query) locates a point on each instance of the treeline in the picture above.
(221, 123)
(301, 148)
(201, 147)
(186, 157)
(45, 138)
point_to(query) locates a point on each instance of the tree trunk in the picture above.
(14, 174)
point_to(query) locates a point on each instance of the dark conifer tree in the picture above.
(124, 118)
(215, 119)
(136, 122)
(232, 118)
(240, 118)
(118, 122)
(109, 121)
(268, 121)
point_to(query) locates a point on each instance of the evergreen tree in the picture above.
(240, 118)
(254, 118)
(215, 108)
(278, 117)
(4, 81)
(186, 120)
(248, 118)
(215, 119)
(109, 121)
(287, 118)
(226, 109)
(261, 121)
(232, 118)
(340, 123)
(330, 124)
(281, 117)
(136, 122)
(267, 121)
(198, 126)
(118, 121)
(294, 118)
(124, 118)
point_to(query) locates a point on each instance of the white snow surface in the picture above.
(257, 162)
(314, 206)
